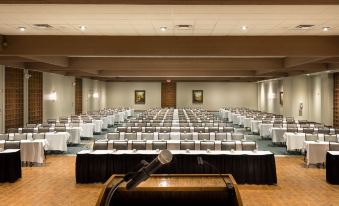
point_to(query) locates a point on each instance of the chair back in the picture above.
(204, 136)
(27, 130)
(199, 129)
(184, 145)
(149, 129)
(136, 129)
(293, 129)
(324, 130)
(20, 136)
(122, 129)
(38, 136)
(100, 145)
(120, 145)
(12, 145)
(248, 145)
(12, 130)
(51, 121)
(308, 130)
(333, 146)
(4, 137)
(204, 145)
(237, 136)
(228, 129)
(165, 129)
(311, 137)
(213, 129)
(228, 145)
(160, 145)
(130, 136)
(30, 125)
(330, 138)
(186, 136)
(147, 136)
(113, 136)
(163, 136)
(221, 136)
(60, 129)
(139, 145)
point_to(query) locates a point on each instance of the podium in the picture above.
(180, 189)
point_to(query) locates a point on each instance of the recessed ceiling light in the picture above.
(163, 28)
(244, 28)
(326, 28)
(83, 28)
(22, 28)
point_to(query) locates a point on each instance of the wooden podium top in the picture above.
(176, 183)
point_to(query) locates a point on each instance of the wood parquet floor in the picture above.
(54, 185)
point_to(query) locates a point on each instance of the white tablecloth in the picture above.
(277, 134)
(97, 125)
(74, 133)
(295, 141)
(57, 141)
(255, 125)
(316, 151)
(235, 118)
(247, 122)
(174, 152)
(265, 129)
(87, 129)
(31, 151)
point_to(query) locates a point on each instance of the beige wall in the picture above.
(121, 94)
(89, 88)
(64, 104)
(314, 91)
(217, 95)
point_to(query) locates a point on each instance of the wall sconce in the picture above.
(96, 95)
(52, 96)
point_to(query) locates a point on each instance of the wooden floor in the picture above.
(54, 184)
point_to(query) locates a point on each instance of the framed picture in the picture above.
(197, 96)
(139, 96)
(281, 98)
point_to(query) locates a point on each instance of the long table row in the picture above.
(246, 166)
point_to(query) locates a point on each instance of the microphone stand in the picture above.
(229, 185)
(126, 178)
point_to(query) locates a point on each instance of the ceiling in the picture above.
(125, 42)
(146, 20)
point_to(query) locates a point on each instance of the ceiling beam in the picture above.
(174, 73)
(53, 60)
(178, 2)
(298, 61)
(160, 46)
(100, 63)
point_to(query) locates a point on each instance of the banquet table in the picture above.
(74, 133)
(57, 141)
(265, 129)
(31, 150)
(316, 151)
(294, 141)
(332, 167)
(245, 166)
(98, 123)
(255, 125)
(277, 134)
(87, 129)
(10, 165)
(247, 122)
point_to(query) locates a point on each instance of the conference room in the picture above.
(200, 102)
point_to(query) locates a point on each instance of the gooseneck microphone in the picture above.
(133, 180)
(143, 174)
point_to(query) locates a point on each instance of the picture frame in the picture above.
(281, 98)
(139, 96)
(197, 96)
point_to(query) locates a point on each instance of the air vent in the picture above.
(183, 27)
(42, 26)
(304, 26)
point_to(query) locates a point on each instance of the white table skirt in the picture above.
(255, 125)
(316, 151)
(175, 145)
(87, 129)
(31, 151)
(241, 119)
(57, 141)
(265, 129)
(295, 141)
(74, 133)
(97, 125)
(247, 122)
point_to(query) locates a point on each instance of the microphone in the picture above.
(143, 174)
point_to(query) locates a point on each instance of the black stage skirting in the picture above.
(10, 166)
(332, 168)
(250, 169)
